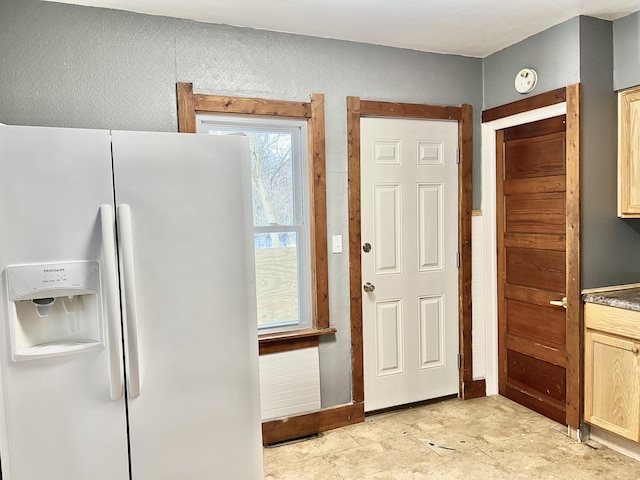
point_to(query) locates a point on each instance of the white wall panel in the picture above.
(289, 383)
(478, 300)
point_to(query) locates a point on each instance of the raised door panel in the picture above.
(431, 311)
(612, 384)
(540, 158)
(542, 269)
(430, 226)
(389, 337)
(387, 220)
(535, 213)
(629, 153)
(536, 323)
(536, 375)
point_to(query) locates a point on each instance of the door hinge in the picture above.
(459, 361)
(457, 259)
(458, 156)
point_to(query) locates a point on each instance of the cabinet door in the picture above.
(628, 154)
(612, 384)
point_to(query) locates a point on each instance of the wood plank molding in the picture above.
(525, 105)
(309, 424)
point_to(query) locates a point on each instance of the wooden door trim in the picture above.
(570, 95)
(525, 105)
(356, 108)
(574, 299)
(469, 388)
(500, 285)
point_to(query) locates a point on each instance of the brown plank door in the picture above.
(531, 226)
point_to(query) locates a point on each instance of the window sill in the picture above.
(292, 340)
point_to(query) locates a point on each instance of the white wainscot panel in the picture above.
(387, 220)
(289, 383)
(430, 152)
(389, 337)
(478, 297)
(430, 227)
(431, 310)
(386, 152)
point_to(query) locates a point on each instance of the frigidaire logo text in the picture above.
(51, 270)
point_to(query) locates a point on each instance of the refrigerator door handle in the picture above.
(114, 331)
(130, 301)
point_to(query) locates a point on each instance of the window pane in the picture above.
(280, 210)
(277, 278)
(272, 178)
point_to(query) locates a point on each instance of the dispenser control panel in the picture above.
(54, 276)
(52, 279)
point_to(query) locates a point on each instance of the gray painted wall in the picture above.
(554, 54)
(84, 67)
(609, 245)
(626, 56)
(582, 50)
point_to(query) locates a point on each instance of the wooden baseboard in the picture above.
(282, 429)
(474, 389)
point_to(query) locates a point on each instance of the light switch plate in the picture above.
(336, 243)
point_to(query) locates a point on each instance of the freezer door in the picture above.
(183, 206)
(57, 421)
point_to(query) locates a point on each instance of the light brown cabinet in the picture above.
(612, 369)
(629, 153)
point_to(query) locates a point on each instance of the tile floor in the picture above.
(487, 438)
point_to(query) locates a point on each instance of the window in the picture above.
(307, 210)
(280, 215)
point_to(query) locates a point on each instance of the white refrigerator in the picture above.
(128, 340)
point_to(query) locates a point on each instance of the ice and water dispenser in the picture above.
(54, 309)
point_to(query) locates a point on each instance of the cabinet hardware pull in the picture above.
(634, 350)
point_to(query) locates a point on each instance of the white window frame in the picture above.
(299, 129)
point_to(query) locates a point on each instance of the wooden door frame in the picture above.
(357, 108)
(539, 107)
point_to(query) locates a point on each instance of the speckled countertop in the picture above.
(626, 296)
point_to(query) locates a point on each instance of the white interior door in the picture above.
(409, 213)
